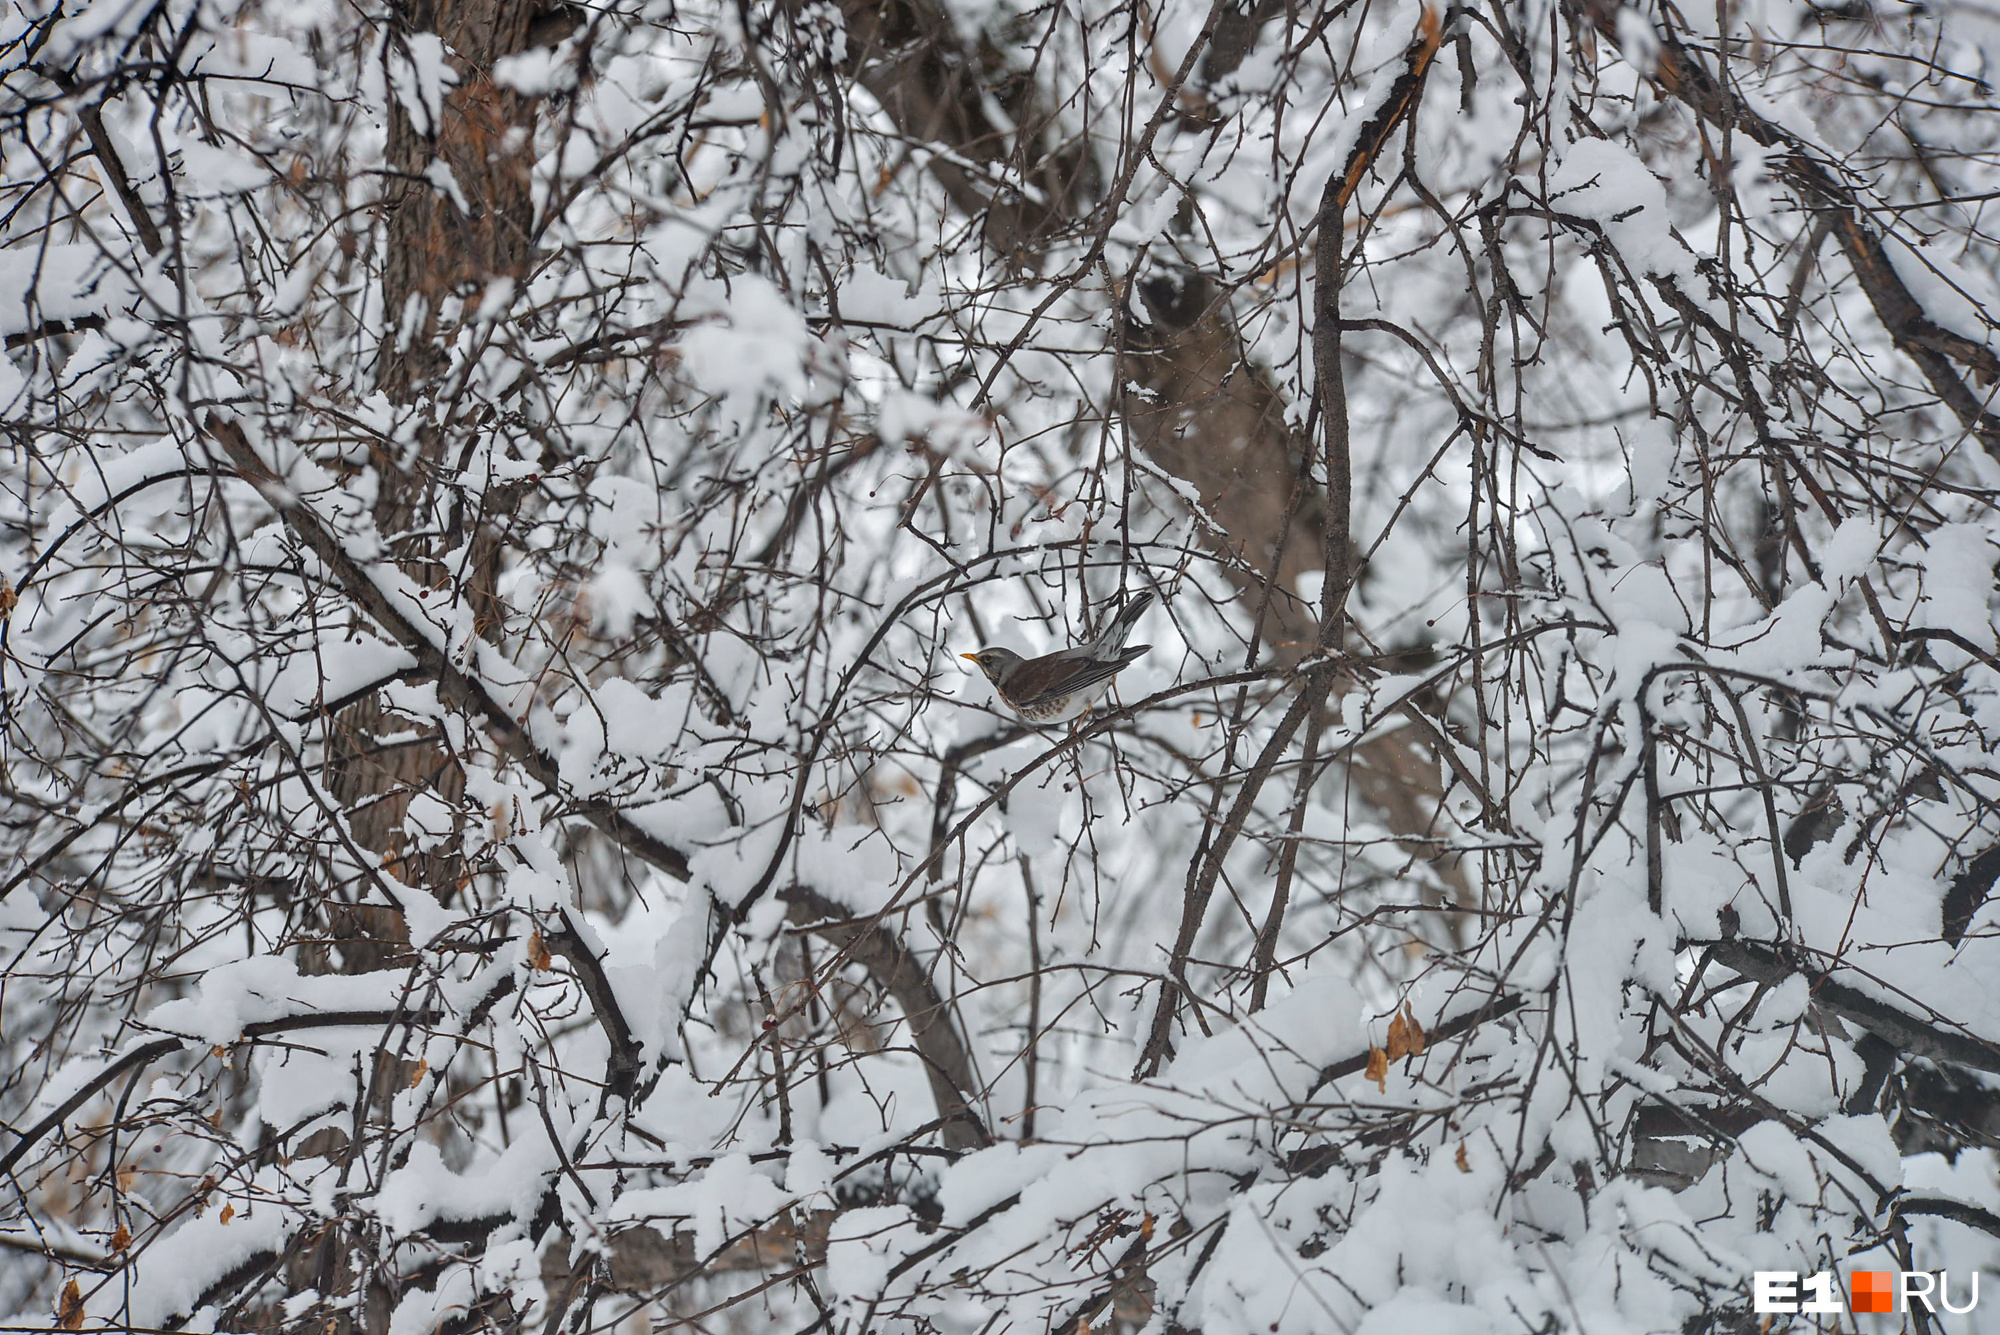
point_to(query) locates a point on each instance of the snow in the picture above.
(1626, 503)
(170, 1276)
(1853, 548)
(1951, 295)
(423, 1311)
(419, 74)
(653, 967)
(333, 668)
(537, 71)
(210, 170)
(761, 346)
(991, 1176)
(243, 54)
(1604, 182)
(270, 987)
(872, 296)
(58, 282)
(423, 1189)
(863, 1244)
(729, 1197)
(618, 595)
(1773, 1152)
(298, 1084)
(1958, 585)
(77, 30)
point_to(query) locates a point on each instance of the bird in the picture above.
(1062, 686)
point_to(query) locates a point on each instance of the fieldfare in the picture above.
(1061, 686)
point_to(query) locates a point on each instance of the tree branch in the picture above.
(1679, 74)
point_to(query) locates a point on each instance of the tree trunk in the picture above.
(438, 262)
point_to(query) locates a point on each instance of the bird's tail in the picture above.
(1114, 636)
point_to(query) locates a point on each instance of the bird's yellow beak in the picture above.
(973, 657)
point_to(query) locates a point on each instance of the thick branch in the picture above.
(147, 1053)
(1911, 1036)
(889, 962)
(945, 1058)
(456, 686)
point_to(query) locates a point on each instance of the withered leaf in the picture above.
(539, 958)
(1415, 1031)
(1378, 1068)
(69, 1313)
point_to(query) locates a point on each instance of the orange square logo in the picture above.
(1871, 1290)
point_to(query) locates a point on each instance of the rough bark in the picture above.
(438, 259)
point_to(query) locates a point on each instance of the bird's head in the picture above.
(994, 662)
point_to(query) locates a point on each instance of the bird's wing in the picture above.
(1088, 673)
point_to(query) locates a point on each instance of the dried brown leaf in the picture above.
(1464, 1166)
(121, 1238)
(1399, 1038)
(539, 958)
(423, 1069)
(1417, 1038)
(1378, 1068)
(69, 1313)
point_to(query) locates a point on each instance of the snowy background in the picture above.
(495, 833)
